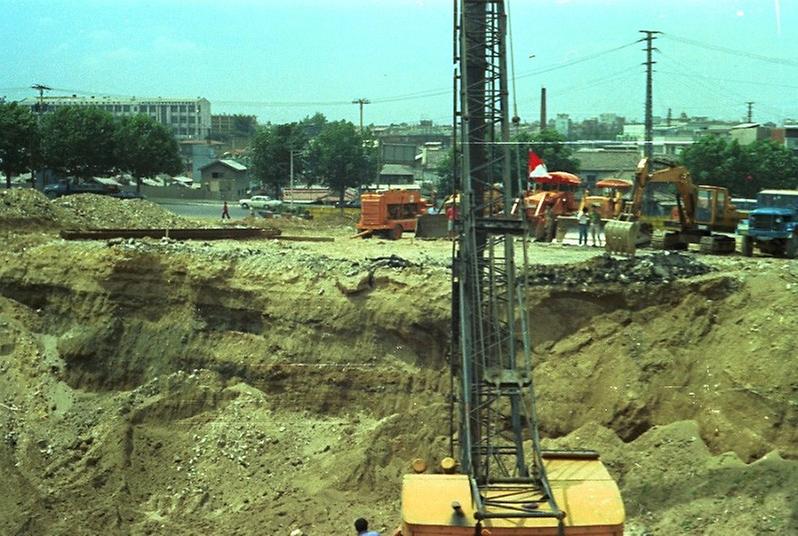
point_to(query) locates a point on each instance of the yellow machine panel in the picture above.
(583, 489)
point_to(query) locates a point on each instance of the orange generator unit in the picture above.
(390, 213)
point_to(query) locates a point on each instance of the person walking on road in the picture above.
(583, 219)
(362, 528)
(225, 211)
(595, 227)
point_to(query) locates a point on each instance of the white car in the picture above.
(259, 201)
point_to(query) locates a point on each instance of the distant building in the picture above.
(791, 137)
(597, 164)
(398, 153)
(748, 133)
(562, 124)
(187, 118)
(397, 175)
(196, 154)
(226, 178)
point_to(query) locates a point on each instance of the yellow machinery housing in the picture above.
(589, 497)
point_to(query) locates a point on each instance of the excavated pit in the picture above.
(163, 387)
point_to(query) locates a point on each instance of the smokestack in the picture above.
(542, 108)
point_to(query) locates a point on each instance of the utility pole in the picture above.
(292, 175)
(41, 88)
(361, 102)
(649, 63)
(750, 110)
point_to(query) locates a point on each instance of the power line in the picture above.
(734, 52)
(729, 80)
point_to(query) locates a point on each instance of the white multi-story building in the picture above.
(188, 118)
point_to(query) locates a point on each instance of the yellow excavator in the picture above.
(497, 479)
(687, 214)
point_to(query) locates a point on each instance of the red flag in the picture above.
(535, 166)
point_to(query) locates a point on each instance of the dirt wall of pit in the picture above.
(153, 386)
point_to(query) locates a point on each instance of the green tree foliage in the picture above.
(548, 145)
(744, 170)
(17, 140)
(244, 126)
(79, 141)
(445, 172)
(340, 158)
(145, 148)
(271, 154)
(313, 125)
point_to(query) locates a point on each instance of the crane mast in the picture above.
(492, 362)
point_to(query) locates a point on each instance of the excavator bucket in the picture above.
(621, 236)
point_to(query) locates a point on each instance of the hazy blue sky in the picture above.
(268, 57)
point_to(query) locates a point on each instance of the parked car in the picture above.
(259, 201)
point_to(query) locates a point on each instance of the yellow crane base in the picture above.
(441, 504)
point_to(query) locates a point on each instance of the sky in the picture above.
(286, 60)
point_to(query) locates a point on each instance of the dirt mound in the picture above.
(23, 207)
(659, 267)
(91, 211)
(672, 483)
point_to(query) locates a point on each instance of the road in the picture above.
(206, 210)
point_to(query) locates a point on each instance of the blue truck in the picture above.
(772, 227)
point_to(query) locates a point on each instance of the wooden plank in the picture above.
(218, 233)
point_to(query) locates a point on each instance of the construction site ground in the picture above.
(268, 387)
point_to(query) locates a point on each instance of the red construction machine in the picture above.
(554, 195)
(389, 213)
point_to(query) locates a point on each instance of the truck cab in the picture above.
(773, 226)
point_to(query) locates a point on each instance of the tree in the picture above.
(444, 169)
(313, 125)
(145, 148)
(548, 145)
(17, 138)
(341, 158)
(744, 170)
(79, 141)
(271, 154)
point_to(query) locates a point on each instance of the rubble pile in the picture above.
(660, 267)
(26, 206)
(93, 211)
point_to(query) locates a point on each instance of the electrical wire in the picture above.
(734, 52)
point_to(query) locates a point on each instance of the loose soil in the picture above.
(162, 387)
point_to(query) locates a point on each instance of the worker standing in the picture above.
(595, 227)
(225, 211)
(549, 225)
(583, 220)
(362, 528)
(451, 215)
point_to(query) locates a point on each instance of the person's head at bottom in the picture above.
(361, 525)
